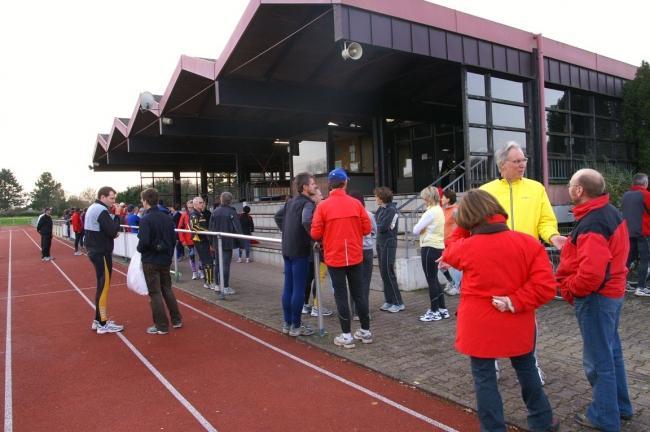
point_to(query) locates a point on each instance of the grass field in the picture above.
(17, 220)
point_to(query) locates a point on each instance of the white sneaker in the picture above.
(248, 260)
(453, 291)
(228, 290)
(109, 327)
(642, 292)
(444, 313)
(215, 287)
(195, 275)
(78, 253)
(363, 335)
(396, 308)
(385, 307)
(344, 340)
(306, 309)
(201, 274)
(323, 311)
(431, 316)
(239, 260)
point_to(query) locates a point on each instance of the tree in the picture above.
(636, 114)
(11, 192)
(73, 201)
(47, 193)
(89, 195)
(130, 196)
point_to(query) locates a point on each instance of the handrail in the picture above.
(435, 182)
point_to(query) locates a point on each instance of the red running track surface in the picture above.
(219, 372)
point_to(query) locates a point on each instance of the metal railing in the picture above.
(458, 185)
(125, 245)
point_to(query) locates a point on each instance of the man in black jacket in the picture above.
(156, 241)
(44, 228)
(101, 227)
(294, 220)
(224, 219)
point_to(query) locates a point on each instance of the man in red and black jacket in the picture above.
(592, 276)
(636, 212)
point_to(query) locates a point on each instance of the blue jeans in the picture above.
(602, 358)
(488, 399)
(293, 295)
(245, 245)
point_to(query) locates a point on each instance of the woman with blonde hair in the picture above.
(502, 288)
(431, 229)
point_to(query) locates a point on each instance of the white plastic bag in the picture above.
(135, 276)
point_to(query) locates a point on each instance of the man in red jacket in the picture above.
(341, 222)
(592, 275)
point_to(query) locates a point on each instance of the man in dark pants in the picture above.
(44, 228)
(636, 212)
(156, 240)
(224, 219)
(340, 222)
(101, 228)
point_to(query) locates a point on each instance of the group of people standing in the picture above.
(492, 237)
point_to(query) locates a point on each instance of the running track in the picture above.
(220, 372)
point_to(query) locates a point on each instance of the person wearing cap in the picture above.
(44, 228)
(341, 222)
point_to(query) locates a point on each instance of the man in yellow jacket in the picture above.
(526, 202)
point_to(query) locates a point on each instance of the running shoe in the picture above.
(303, 330)
(344, 340)
(431, 316)
(154, 330)
(642, 292)
(385, 307)
(109, 327)
(365, 336)
(444, 313)
(306, 309)
(323, 311)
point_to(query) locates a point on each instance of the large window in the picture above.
(312, 157)
(497, 112)
(582, 127)
(353, 152)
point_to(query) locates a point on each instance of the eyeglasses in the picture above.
(519, 161)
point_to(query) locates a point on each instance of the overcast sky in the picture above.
(70, 67)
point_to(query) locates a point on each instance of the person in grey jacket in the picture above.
(224, 219)
(386, 217)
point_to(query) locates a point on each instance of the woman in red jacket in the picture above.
(502, 287)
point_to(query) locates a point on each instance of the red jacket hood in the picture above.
(580, 210)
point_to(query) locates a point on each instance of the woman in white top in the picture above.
(431, 229)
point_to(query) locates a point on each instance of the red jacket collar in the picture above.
(338, 191)
(638, 188)
(583, 209)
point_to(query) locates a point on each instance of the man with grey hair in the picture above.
(224, 219)
(636, 212)
(592, 274)
(525, 200)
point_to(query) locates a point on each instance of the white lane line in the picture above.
(186, 404)
(53, 292)
(325, 372)
(9, 421)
